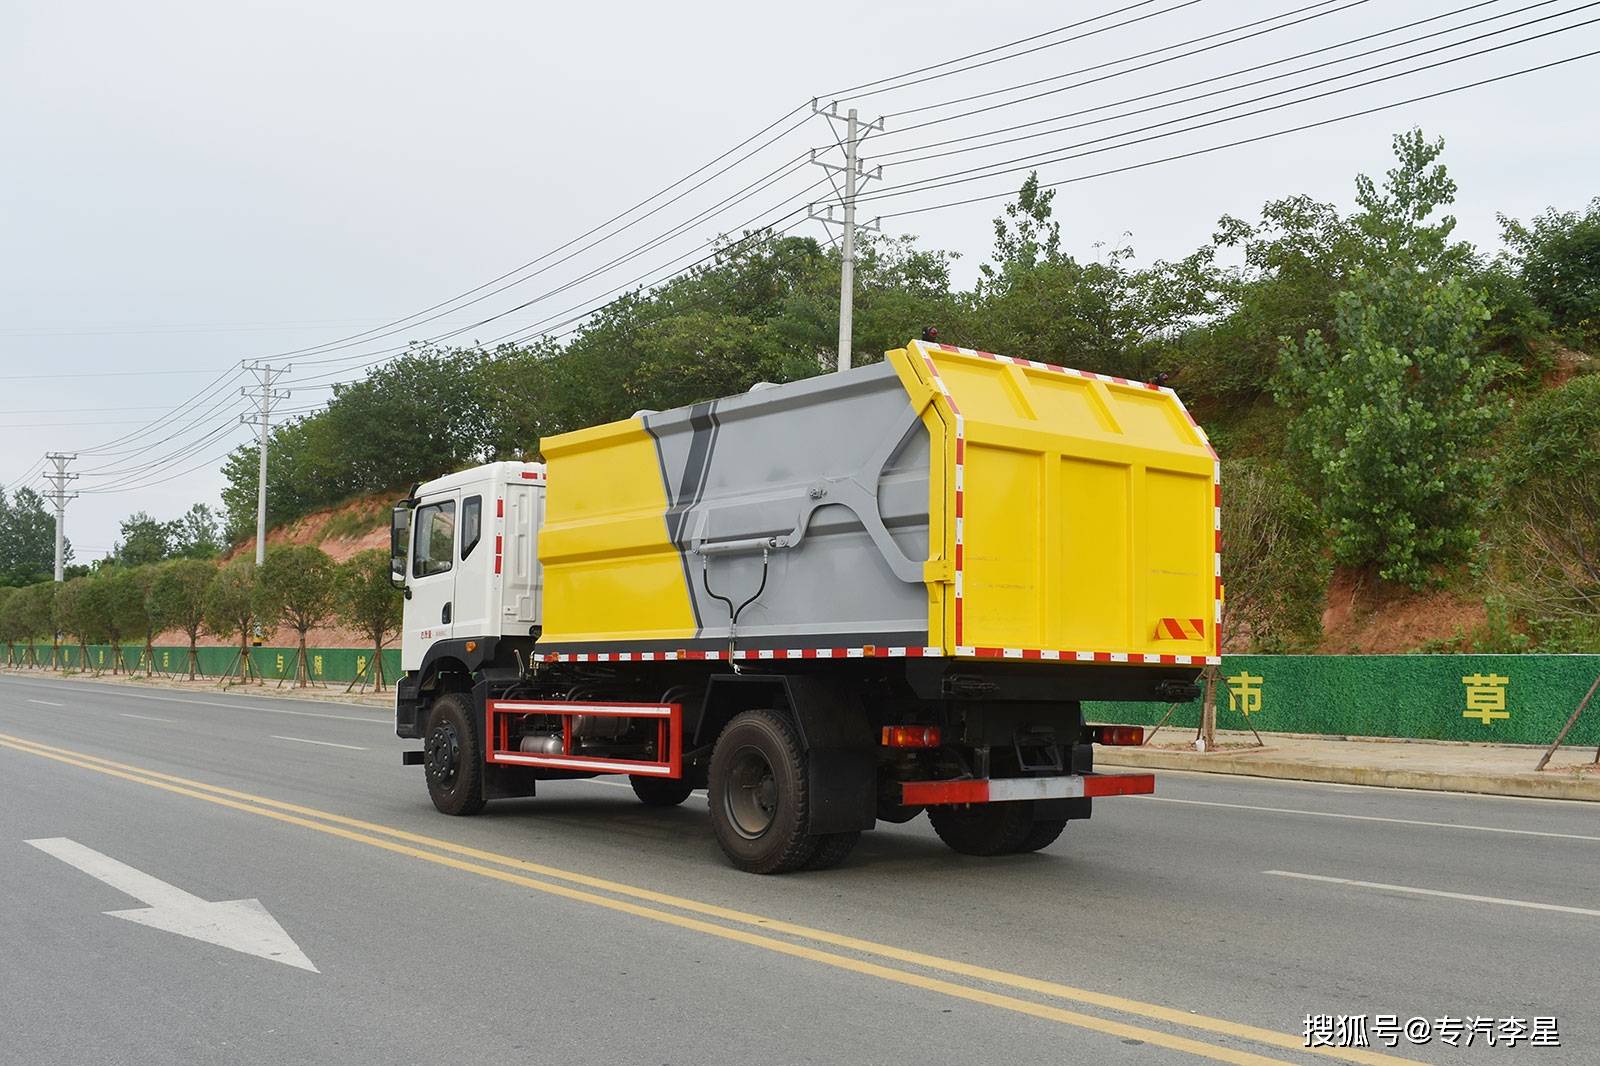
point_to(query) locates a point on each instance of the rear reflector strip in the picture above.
(1012, 789)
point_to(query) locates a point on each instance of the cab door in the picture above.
(475, 551)
(430, 611)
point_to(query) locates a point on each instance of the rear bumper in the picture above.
(1012, 789)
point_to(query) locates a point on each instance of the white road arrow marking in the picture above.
(238, 924)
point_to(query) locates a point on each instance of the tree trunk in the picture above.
(194, 656)
(302, 668)
(377, 666)
(1208, 711)
(245, 666)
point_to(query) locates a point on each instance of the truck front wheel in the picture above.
(759, 796)
(452, 757)
(658, 791)
(984, 828)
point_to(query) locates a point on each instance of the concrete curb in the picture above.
(1263, 764)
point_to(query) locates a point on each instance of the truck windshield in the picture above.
(436, 537)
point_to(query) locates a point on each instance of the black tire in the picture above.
(759, 794)
(983, 828)
(1042, 834)
(658, 791)
(832, 848)
(452, 756)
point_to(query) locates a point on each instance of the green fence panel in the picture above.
(330, 665)
(1509, 699)
(1506, 699)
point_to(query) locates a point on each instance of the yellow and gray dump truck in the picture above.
(831, 602)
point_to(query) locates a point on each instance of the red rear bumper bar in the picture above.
(1008, 789)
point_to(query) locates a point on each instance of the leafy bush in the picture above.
(1546, 537)
(1557, 257)
(1275, 571)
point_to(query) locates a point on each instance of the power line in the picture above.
(1036, 159)
(853, 89)
(1257, 138)
(319, 349)
(1141, 55)
(1263, 81)
(1218, 77)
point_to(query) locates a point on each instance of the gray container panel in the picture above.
(835, 471)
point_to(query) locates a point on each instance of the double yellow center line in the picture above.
(740, 926)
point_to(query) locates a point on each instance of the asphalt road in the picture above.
(582, 927)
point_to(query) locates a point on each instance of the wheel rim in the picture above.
(443, 754)
(751, 798)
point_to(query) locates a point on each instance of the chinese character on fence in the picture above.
(280, 664)
(1486, 697)
(316, 665)
(1244, 693)
(361, 665)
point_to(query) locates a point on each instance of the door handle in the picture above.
(444, 615)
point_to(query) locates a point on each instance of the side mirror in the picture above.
(399, 542)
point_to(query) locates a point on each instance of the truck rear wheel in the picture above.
(832, 848)
(658, 791)
(452, 757)
(759, 794)
(1042, 834)
(983, 828)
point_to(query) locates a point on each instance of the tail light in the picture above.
(911, 736)
(1128, 736)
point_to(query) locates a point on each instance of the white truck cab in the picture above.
(465, 548)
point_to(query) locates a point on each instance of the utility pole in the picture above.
(855, 176)
(264, 394)
(59, 479)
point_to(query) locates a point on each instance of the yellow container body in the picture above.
(1070, 517)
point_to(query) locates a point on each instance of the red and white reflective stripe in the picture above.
(533, 475)
(868, 651)
(499, 531)
(1014, 789)
(960, 483)
(1181, 629)
(1132, 658)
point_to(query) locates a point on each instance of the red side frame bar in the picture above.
(669, 736)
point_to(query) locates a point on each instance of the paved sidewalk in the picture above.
(1495, 769)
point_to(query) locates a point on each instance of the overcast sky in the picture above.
(187, 184)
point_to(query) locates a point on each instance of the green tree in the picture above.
(178, 598)
(1394, 414)
(1102, 314)
(1547, 530)
(144, 540)
(367, 602)
(196, 533)
(230, 609)
(294, 587)
(80, 613)
(120, 598)
(131, 607)
(34, 608)
(10, 631)
(27, 539)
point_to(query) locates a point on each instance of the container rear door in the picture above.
(1086, 513)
